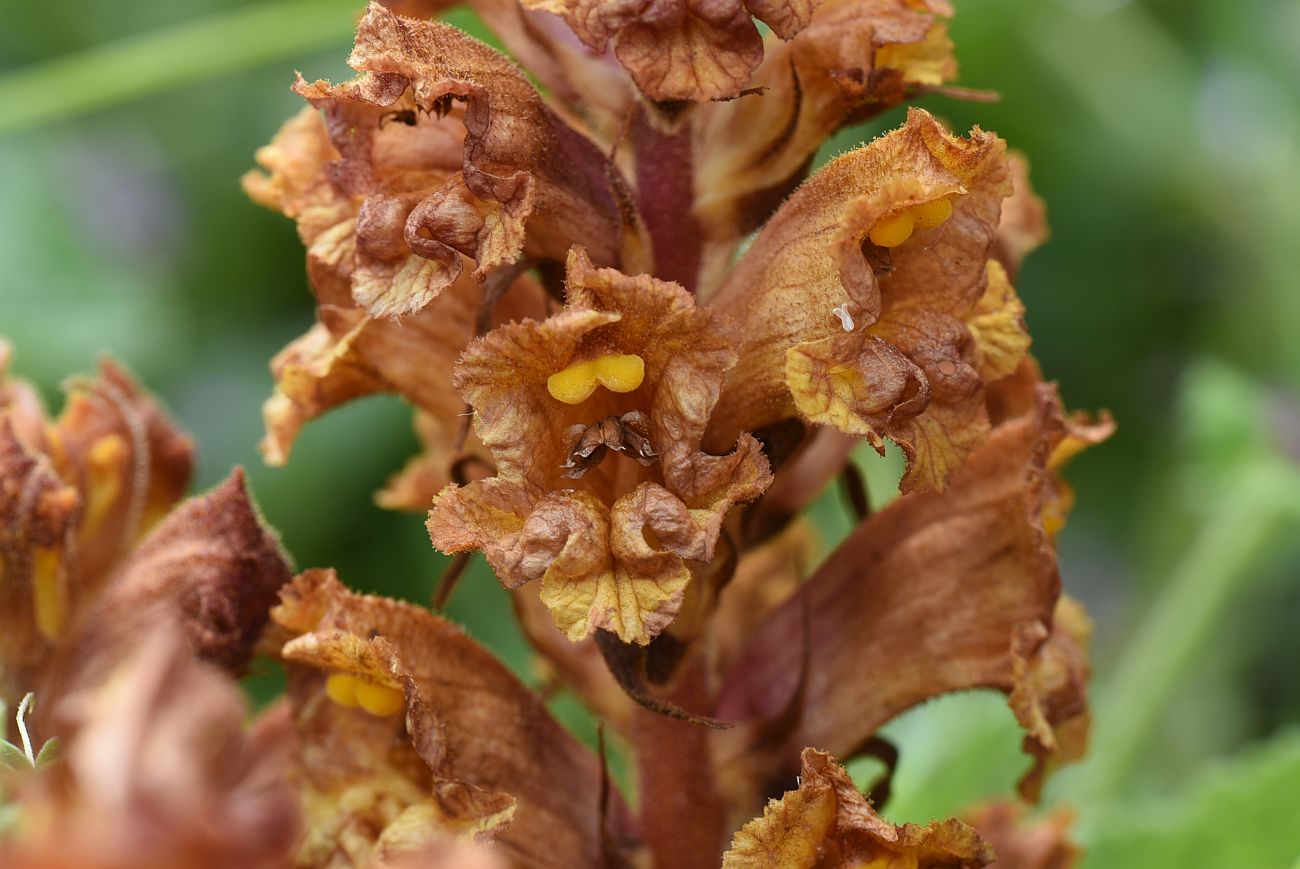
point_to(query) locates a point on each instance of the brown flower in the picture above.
(1020, 843)
(610, 548)
(410, 732)
(938, 592)
(157, 772)
(827, 822)
(853, 301)
(855, 59)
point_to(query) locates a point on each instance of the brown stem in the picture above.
(666, 200)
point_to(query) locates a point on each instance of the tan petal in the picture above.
(38, 518)
(1023, 227)
(847, 66)
(610, 545)
(827, 822)
(479, 731)
(1019, 843)
(211, 567)
(129, 461)
(814, 288)
(157, 770)
(939, 592)
(527, 182)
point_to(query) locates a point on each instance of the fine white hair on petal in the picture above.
(846, 319)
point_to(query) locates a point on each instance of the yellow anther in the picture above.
(49, 597)
(379, 699)
(892, 229)
(614, 371)
(931, 214)
(106, 460)
(342, 689)
(620, 373)
(574, 384)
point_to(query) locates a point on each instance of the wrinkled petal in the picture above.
(1023, 227)
(935, 593)
(856, 59)
(157, 771)
(610, 546)
(493, 760)
(998, 326)
(826, 821)
(526, 183)
(816, 287)
(1019, 843)
(210, 567)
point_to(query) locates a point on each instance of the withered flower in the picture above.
(411, 733)
(854, 300)
(610, 547)
(827, 822)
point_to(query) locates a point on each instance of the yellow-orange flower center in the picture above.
(347, 690)
(616, 372)
(895, 228)
(105, 459)
(48, 593)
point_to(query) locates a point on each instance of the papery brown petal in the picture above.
(525, 174)
(1050, 692)
(21, 403)
(38, 518)
(611, 553)
(211, 567)
(129, 461)
(156, 771)
(480, 732)
(806, 288)
(1019, 843)
(938, 592)
(827, 822)
(1023, 227)
(847, 65)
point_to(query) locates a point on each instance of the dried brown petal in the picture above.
(157, 771)
(610, 547)
(522, 182)
(856, 59)
(1023, 227)
(873, 353)
(492, 757)
(1019, 843)
(211, 567)
(935, 593)
(827, 822)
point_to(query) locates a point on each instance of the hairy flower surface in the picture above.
(611, 548)
(827, 822)
(853, 299)
(411, 732)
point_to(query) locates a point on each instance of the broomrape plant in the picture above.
(639, 340)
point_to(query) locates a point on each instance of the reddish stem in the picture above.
(666, 200)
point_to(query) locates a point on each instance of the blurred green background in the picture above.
(1165, 137)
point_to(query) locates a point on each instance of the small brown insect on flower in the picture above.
(624, 434)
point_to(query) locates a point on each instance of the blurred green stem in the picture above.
(62, 87)
(1183, 617)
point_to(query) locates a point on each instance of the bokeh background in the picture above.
(1165, 137)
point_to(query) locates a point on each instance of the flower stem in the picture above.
(130, 68)
(1178, 628)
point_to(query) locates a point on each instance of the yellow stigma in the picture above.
(48, 592)
(931, 214)
(104, 459)
(620, 373)
(892, 229)
(342, 689)
(351, 691)
(616, 372)
(379, 699)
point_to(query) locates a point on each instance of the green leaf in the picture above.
(12, 757)
(1244, 813)
(48, 754)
